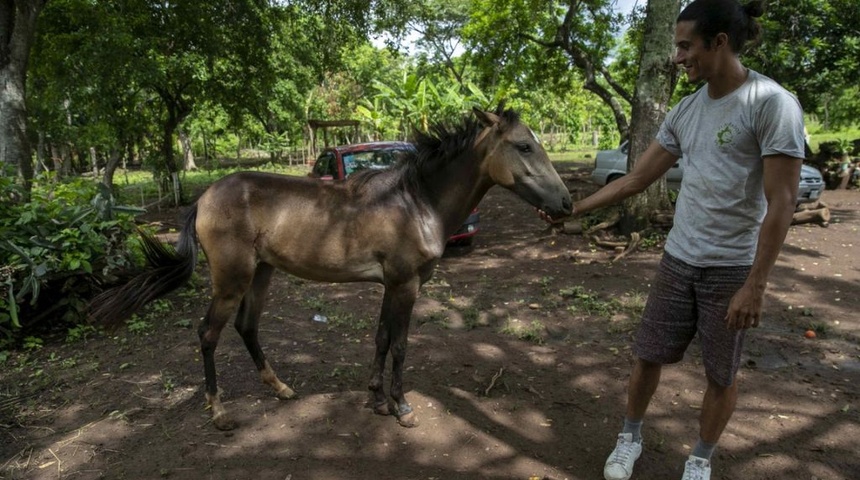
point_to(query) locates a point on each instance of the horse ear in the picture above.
(488, 119)
(501, 108)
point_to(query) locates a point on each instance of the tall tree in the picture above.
(84, 88)
(812, 47)
(437, 27)
(17, 30)
(505, 36)
(654, 85)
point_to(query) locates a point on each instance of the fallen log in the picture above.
(812, 205)
(820, 216)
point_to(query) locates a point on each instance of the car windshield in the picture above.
(372, 159)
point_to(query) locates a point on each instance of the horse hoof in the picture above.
(409, 420)
(223, 422)
(382, 409)
(286, 393)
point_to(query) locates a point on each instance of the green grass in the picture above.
(532, 332)
(585, 157)
(138, 187)
(582, 301)
(817, 135)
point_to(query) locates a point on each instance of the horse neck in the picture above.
(457, 188)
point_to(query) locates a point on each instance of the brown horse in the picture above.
(388, 227)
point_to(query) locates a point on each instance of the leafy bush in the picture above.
(56, 250)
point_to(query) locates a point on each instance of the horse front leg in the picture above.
(392, 334)
(383, 338)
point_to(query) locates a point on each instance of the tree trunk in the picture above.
(206, 163)
(177, 110)
(66, 160)
(820, 216)
(167, 132)
(654, 85)
(17, 30)
(41, 154)
(56, 158)
(94, 162)
(111, 166)
(187, 154)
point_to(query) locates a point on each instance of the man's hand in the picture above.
(745, 308)
(546, 218)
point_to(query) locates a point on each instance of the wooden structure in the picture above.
(325, 125)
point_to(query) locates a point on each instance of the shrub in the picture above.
(56, 251)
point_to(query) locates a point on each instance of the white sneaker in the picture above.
(619, 465)
(697, 469)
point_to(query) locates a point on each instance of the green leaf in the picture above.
(13, 309)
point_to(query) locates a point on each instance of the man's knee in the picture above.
(721, 386)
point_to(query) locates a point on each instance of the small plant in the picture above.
(137, 324)
(160, 305)
(79, 332)
(532, 332)
(819, 328)
(316, 303)
(673, 196)
(546, 283)
(183, 323)
(347, 374)
(69, 363)
(471, 317)
(33, 343)
(653, 239)
(438, 317)
(582, 301)
(167, 383)
(339, 319)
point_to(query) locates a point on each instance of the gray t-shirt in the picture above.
(721, 203)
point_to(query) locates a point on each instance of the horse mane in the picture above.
(444, 142)
(441, 144)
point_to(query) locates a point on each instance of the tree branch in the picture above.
(616, 87)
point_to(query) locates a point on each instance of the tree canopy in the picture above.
(812, 47)
(125, 77)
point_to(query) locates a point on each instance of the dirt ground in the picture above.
(517, 367)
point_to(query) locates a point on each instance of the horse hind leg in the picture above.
(220, 311)
(247, 324)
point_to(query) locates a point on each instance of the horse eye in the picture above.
(524, 147)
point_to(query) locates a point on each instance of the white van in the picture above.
(610, 165)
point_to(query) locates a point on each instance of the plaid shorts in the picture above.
(684, 301)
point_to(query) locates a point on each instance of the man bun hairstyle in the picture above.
(738, 22)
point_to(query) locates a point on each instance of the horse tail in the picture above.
(166, 270)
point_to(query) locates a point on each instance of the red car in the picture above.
(337, 163)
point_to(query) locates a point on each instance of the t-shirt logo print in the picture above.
(726, 135)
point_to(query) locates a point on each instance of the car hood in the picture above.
(807, 171)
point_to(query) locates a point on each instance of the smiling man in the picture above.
(741, 138)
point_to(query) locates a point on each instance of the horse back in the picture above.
(321, 230)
